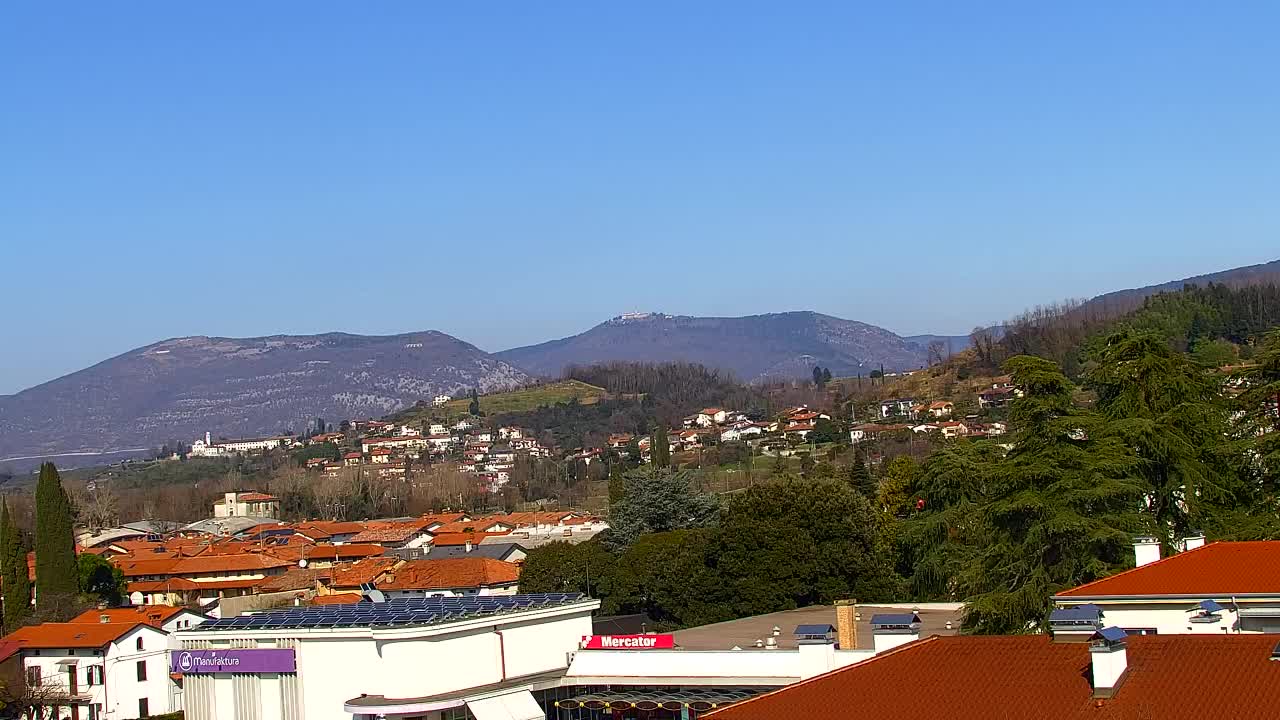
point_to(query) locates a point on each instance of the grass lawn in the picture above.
(518, 400)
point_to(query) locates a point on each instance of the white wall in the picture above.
(1173, 618)
(710, 667)
(118, 696)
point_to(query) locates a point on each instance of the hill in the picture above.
(1122, 301)
(510, 401)
(755, 347)
(180, 388)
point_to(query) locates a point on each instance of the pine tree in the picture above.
(860, 477)
(57, 576)
(660, 447)
(474, 408)
(13, 572)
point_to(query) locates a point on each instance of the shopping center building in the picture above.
(520, 657)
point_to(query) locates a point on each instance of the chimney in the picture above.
(888, 631)
(846, 624)
(104, 619)
(1192, 542)
(468, 546)
(1146, 550)
(1109, 661)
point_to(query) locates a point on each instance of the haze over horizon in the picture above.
(518, 177)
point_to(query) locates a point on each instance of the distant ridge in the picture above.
(180, 388)
(1124, 300)
(754, 347)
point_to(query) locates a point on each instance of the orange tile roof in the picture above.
(155, 586)
(1219, 569)
(70, 635)
(360, 572)
(198, 565)
(1029, 677)
(325, 551)
(153, 615)
(461, 538)
(451, 573)
(399, 533)
(335, 599)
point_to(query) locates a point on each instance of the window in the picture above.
(93, 675)
(142, 670)
(33, 677)
(95, 711)
(144, 708)
(139, 643)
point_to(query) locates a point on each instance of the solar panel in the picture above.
(399, 611)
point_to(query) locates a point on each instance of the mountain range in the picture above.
(181, 388)
(755, 347)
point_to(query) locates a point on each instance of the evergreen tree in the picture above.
(660, 447)
(57, 575)
(1258, 406)
(860, 477)
(474, 407)
(826, 375)
(817, 376)
(1169, 412)
(13, 572)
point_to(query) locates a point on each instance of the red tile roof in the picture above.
(1029, 677)
(452, 573)
(360, 572)
(70, 635)
(153, 615)
(1218, 569)
(335, 599)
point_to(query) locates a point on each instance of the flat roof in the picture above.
(406, 612)
(745, 631)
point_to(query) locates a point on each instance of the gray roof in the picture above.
(227, 526)
(497, 551)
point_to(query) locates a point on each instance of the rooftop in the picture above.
(400, 612)
(745, 631)
(464, 572)
(153, 615)
(1029, 677)
(70, 635)
(1220, 569)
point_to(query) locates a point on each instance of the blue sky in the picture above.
(513, 172)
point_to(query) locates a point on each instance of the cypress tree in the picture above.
(660, 447)
(57, 576)
(13, 572)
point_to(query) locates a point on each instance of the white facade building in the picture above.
(247, 504)
(1216, 589)
(98, 672)
(385, 660)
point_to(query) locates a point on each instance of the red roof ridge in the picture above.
(1073, 592)
(861, 663)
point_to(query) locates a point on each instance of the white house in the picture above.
(711, 416)
(1220, 588)
(97, 671)
(247, 504)
(441, 400)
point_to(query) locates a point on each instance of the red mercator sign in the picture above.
(628, 642)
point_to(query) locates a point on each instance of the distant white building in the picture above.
(441, 400)
(208, 448)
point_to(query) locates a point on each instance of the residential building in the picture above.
(248, 504)
(96, 671)
(164, 617)
(897, 407)
(440, 400)
(454, 577)
(1221, 588)
(1108, 676)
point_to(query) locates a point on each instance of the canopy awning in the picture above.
(1266, 612)
(512, 706)
(700, 699)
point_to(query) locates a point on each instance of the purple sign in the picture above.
(266, 660)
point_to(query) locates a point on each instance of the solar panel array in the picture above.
(392, 613)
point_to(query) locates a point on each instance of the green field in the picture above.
(517, 400)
